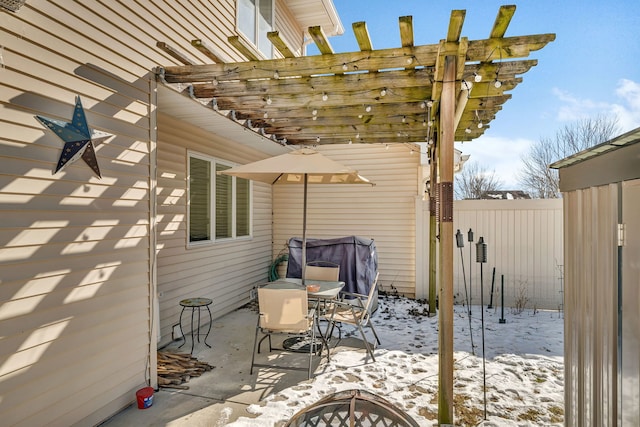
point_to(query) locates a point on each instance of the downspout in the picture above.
(154, 305)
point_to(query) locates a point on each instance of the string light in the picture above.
(265, 115)
(367, 108)
(269, 101)
(314, 112)
(325, 96)
(315, 117)
(477, 77)
(344, 66)
(214, 82)
(317, 139)
(497, 83)
(404, 119)
(424, 123)
(410, 60)
(429, 103)
(383, 92)
(467, 130)
(276, 75)
(423, 105)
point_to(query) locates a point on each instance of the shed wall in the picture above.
(591, 292)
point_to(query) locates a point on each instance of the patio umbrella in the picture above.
(304, 166)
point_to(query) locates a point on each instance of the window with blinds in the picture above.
(226, 197)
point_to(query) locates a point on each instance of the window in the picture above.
(219, 205)
(255, 20)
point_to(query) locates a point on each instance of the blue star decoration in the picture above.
(78, 139)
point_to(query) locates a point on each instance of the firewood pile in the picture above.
(175, 369)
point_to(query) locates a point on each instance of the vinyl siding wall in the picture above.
(384, 212)
(222, 271)
(76, 282)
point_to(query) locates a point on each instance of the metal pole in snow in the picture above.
(460, 244)
(481, 257)
(502, 299)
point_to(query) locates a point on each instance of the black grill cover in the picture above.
(356, 256)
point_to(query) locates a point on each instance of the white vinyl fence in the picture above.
(524, 245)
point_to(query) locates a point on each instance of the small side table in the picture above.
(195, 304)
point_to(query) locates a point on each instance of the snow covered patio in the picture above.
(524, 372)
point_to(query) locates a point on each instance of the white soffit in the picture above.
(310, 13)
(181, 106)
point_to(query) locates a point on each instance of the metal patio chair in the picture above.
(322, 270)
(286, 312)
(355, 309)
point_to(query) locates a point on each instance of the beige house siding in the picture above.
(222, 271)
(77, 270)
(384, 212)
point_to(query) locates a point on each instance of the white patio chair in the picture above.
(355, 309)
(286, 312)
(322, 270)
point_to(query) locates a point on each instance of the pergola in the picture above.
(434, 94)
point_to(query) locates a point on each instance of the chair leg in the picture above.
(253, 355)
(366, 343)
(311, 349)
(374, 332)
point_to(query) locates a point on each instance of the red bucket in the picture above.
(144, 397)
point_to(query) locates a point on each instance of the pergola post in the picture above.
(445, 331)
(433, 172)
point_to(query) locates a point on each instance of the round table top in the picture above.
(195, 302)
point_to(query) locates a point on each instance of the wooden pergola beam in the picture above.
(406, 30)
(208, 51)
(362, 35)
(280, 44)
(320, 39)
(174, 53)
(505, 13)
(241, 46)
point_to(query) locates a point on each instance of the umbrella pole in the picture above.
(304, 228)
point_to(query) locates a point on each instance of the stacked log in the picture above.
(175, 369)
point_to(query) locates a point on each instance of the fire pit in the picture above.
(351, 408)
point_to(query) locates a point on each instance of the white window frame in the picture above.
(213, 161)
(267, 50)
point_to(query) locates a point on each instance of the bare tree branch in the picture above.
(474, 180)
(536, 177)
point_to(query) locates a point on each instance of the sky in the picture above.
(522, 367)
(592, 68)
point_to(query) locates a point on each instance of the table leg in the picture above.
(193, 311)
(181, 331)
(210, 322)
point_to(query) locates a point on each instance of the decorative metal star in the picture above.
(78, 139)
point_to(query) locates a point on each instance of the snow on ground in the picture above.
(523, 362)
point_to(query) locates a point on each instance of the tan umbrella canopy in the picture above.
(304, 166)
